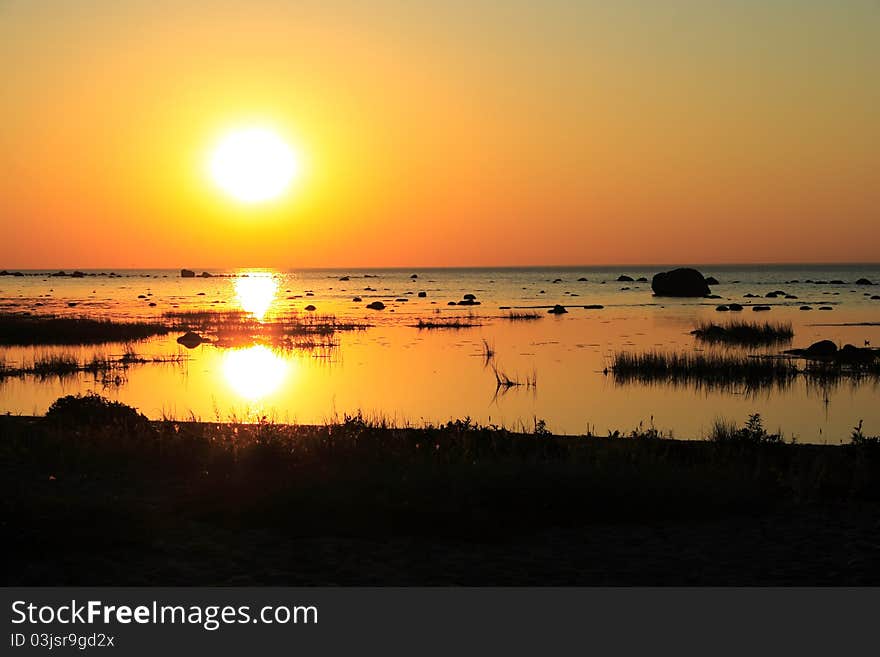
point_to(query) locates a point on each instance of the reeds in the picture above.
(710, 370)
(29, 330)
(451, 323)
(516, 316)
(744, 333)
(63, 365)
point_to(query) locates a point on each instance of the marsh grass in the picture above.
(102, 481)
(518, 316)
(450, 323)
(237, 328)
(31, 330)
(745, 333)
(709, 370)
(63, 365)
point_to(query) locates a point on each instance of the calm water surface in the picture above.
(397, 371)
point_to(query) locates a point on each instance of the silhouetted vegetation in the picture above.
(710, 370)
(99, 495)
(449, 323)
(236, 328)
(26, 330)
(745, 333)
(518, 316)
(753, 431)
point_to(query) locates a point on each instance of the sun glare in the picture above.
(254, 372)
(254, 165)
(255, 293)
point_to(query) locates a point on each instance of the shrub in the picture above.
(93, 410)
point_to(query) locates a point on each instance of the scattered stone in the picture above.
(187, 273)
(594, 306)
(863, 281)
(414, 276)
(735, 307)
(310, 308)
(344, 278)
(357, 299)
(77, 274)
(722, 308)
(471, 297)
(825, 308)
(683, 282)
(582, 280)
(806, 308)
(422, 295)
(557, 310)
(641, 279)
(711, 280)
(205, 274)
(376, 305)
(760, 308)
(623, 278)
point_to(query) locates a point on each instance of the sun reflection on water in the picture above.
(254, 372)
(255, 293)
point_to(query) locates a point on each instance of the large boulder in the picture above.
(683, 282)
(821, 349)
(187, 273)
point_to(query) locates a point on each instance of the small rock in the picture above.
(187, 273)
(190, 340)
(310, 308)
(557, 310)
(376, 305)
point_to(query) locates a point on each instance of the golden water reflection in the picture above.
(255, 372)
(255, 293)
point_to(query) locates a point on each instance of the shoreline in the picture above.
(124, 501)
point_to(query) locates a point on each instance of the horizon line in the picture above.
(51, 269)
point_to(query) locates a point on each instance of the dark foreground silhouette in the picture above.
(96, 494)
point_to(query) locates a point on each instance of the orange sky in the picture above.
(453, 133)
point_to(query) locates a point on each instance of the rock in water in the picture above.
(711, 280)
(682, 282)
(187, 273)
(190, 340)
(557, 310)
(821, 349)
(376, 305)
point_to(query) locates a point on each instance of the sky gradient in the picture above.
(442, 133)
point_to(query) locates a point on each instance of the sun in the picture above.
(254, 165)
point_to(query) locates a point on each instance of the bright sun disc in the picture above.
(253, 165)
